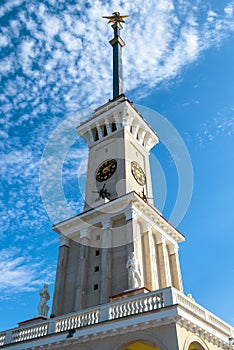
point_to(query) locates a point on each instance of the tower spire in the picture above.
(117, 43)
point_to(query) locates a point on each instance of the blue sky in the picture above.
(56, 62)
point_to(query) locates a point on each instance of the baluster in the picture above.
(85, 320)
(148, 303)
(136, 305)
(82, 320)
(141, 305)
(120, 309)
(114, 312)
(125, 309)
(162, 300)
(145, 305)
(110, 313)
(78, 321)
(153, 301)
(75, 322)
(129, 308)
(97, 315)
(158, 301)
(117, 311)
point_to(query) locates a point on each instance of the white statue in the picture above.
(134, 274)
(45, 296)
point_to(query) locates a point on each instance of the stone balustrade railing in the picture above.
(77, 321)
(130, 306)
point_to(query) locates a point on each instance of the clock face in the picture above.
(138, 173)
(106, 170)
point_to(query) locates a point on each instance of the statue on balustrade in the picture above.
(134, 273)
(45, 296)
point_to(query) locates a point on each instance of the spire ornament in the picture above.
(117, 43)
(115, 18)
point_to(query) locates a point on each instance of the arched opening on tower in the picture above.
(195, 346)
(140, 345)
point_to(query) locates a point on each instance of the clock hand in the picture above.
(106, 169)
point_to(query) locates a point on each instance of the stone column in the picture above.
(99, 130)
(57, 308)
(106, 261)
(148, 257)
(91, 139)
(161, 246)
(108, 127)
(135, 129)
(117, 121)
(81, 281)
(153, 259)
(141, 136)
(131, 228)
(127, 119)
(175, 268)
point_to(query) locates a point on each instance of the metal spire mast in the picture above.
(117, 43)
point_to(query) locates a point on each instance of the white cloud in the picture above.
(68, 55)
(20, 274)
(221, 124)
(71, 42)
(51, 25)
(229, 9)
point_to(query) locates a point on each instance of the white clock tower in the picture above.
(121, 244)
(118, 282)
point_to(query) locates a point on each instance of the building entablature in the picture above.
(128, 206)
(114, 116)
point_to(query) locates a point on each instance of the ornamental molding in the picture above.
(131, 205)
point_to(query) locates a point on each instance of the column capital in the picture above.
(131, 214)
(64, 241)
(106, 223)
(173, 249)
(149, 228)
(84, 232)
(161, 240)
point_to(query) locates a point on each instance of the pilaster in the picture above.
(175, 268)
(148, 258)
(161, 246)
(60, 275)
(106, 261)
(81, 278)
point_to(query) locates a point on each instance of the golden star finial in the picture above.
(115, 18)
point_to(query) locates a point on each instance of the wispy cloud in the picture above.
(21, 274)
(220, 125)
(61, 53)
